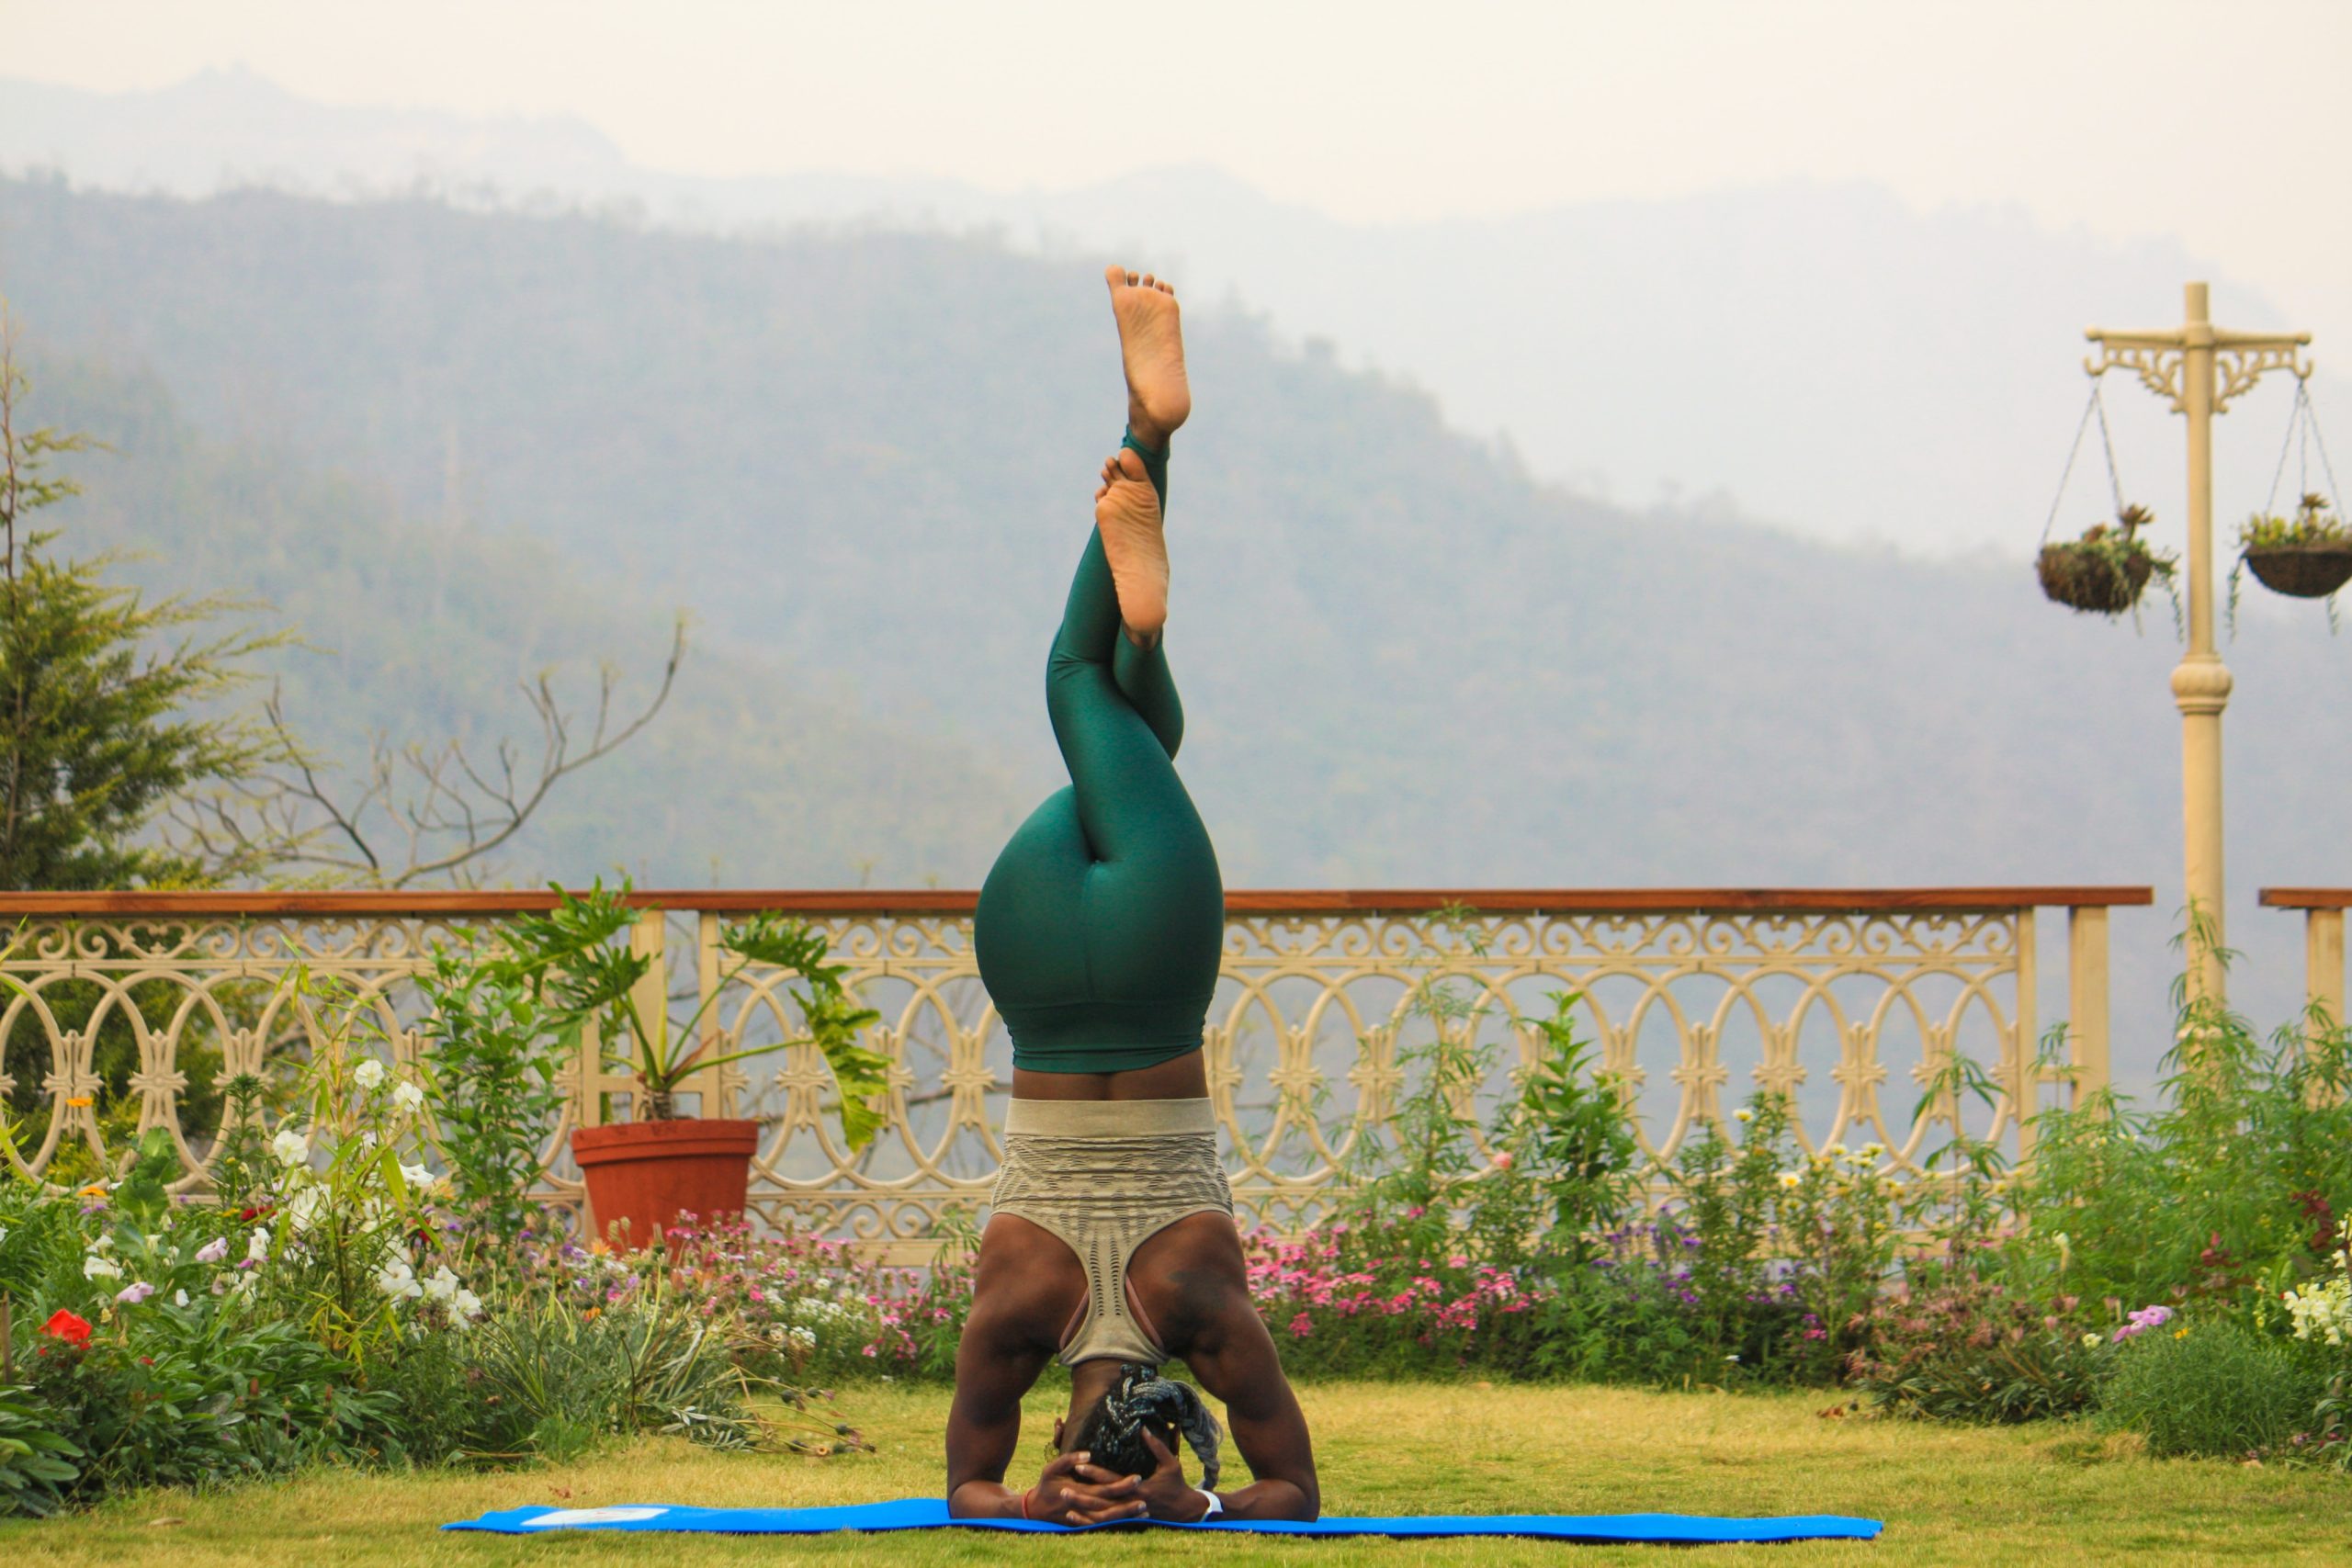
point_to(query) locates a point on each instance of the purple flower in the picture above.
(133, 1294)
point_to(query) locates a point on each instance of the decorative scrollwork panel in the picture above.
(1323, 1022)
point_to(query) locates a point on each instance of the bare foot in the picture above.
(1127, 511)
(1151, 345)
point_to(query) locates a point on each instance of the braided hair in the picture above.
(1143, 1401)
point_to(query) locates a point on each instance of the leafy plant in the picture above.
(1569, 1137)
(2105, 569)
(36, 1460)
(2215, 1388)
(2246, 1156)
(491, 1072)
(575, 957)
(2313, 524)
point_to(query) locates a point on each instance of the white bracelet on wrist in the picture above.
(1216, 1503)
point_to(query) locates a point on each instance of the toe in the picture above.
(1116, 277)
(1131, 281)
(1149, 281)
(1130, 466)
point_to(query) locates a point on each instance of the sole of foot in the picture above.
(1126, 512)
(1151, 350)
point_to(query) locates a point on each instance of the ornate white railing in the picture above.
(1847, 1000)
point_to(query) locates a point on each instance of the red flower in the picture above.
(63, 1325)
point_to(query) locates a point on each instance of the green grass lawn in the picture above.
(1961, 1496)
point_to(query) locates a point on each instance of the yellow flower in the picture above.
(2181, 1333)
(80, 1102)
(95, 1189)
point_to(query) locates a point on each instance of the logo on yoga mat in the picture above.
(563, 1517)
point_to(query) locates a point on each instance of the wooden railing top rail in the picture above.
(938, 901)
(2307, 897)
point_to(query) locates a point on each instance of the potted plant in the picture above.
(2308, 556)
(641, 1174)
(2104, 572)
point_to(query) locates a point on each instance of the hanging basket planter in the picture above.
(2308, 556)
(2302, 571)
(2106, 571)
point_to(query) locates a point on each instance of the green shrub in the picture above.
(36, 1457)
(2226, 1193)
(2215, 1388)
(493, 1070)
(1961, 1344)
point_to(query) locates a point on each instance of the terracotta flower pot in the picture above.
(645, 1174)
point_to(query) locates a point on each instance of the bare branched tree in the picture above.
(416, 813)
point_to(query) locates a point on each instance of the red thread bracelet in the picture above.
(1024, 1502)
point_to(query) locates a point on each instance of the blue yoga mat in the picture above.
(930, 1513)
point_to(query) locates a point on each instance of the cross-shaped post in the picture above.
(2198, 368)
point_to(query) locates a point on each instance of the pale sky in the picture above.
(2223, 125)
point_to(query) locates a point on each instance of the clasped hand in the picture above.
(1072, 1490)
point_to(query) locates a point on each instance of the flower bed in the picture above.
(342, 1302)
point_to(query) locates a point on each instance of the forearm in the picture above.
(1274, 1499)
(985, 1500)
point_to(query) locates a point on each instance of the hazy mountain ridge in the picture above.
(1832, 358)
(753, 773)
(1405, 661)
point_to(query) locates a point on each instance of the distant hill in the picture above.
(865, 457)
(1826, 356)
(421, 626)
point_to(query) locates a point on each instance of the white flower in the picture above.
(104, 1244)
(468, 1304)
(442, 1285)
(291, 1147)
(804, 1338)
(130, 1295)
(180, 1297)
(416, 1176)
(407, 1095)
(2091, 1342)
(257, 1244)
(1790, 1180)
(302, 1209)
(396, 1279)
(213, 1251)
(95, 1266)
(1745, 1114)
(368, 1074)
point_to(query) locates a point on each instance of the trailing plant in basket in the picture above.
(2312, 525)
(576, 958)
(2307, 556)
(2105, 571)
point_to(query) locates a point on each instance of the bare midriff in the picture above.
(1179, 1078)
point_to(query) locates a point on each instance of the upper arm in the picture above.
(1237, 1362)
(1017, 1287)
(1211, 1321)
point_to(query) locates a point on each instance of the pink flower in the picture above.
(1502, 1159)
(1301, 1326)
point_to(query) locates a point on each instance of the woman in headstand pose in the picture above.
(1111, 1244)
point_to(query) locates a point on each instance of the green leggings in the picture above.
(1100, 924)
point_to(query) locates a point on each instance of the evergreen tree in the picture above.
(103, 693)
